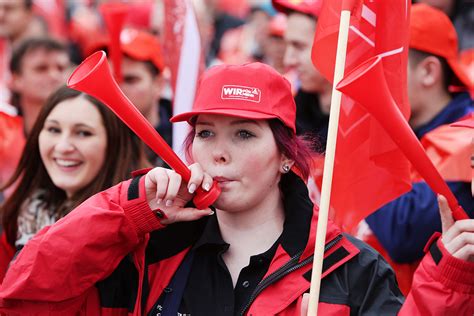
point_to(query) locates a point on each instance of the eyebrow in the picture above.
(75, 125)
(236, 122)
(84, 125)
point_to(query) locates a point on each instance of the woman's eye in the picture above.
(245, 134)
(84, 133)
(203, 134)
(53, 130)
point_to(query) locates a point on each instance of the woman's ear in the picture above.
(286, 164)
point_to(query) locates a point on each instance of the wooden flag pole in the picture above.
(328, 164)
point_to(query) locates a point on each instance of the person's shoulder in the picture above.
(9, 117)
(11, 129)
(361, 245)
(8, 110)
(366, 282)
(371, 274)
(368, 257)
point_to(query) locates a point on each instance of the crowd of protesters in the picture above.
(127, 248)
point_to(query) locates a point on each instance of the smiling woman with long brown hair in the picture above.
(77, 147)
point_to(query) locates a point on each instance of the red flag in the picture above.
(114, 15)
(182, 48)
(54, 13)
(369, 168)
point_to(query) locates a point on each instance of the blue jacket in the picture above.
(404, 225)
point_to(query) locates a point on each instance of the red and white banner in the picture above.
(182, 48)
(5, 53)
(369, 169)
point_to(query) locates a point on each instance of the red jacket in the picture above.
(92, 262)
(450, 150)
(12, 141)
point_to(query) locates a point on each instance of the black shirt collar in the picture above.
(211, 235)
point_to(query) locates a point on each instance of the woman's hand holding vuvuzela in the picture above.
(167, 192)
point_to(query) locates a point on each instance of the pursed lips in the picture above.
(222, 180)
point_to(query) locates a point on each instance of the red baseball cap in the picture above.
(277, 25)
(143, 46)
(253, 91)
(432, 31)
(311, 7)
(136, 44)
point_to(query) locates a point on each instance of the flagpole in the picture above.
(329, 161)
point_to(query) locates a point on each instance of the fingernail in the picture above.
(159, 201)
(169, 202)
(192, 188)
(207, 186)
(211, 213)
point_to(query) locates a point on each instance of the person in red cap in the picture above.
(313, 98)
(142, 70)
(142, 80)
(404, 225)
(141, 74)
(274, 48)
(142, 248)
(247, 42)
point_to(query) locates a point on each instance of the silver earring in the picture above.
(286, 168)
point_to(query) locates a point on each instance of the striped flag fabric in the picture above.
(370, 169)
(182, 47)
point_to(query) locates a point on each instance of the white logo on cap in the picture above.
(240, 93)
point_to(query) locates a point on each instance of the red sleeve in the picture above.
(442, 285)
(63, 262)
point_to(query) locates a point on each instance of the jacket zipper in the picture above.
(289, 267)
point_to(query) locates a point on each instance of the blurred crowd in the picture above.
(59, 146)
